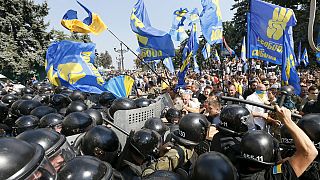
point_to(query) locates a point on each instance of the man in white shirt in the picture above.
(259, 96)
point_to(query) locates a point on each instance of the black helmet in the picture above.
(60, 100)
(27, 97)
(286, 138)
(21, 160)
(14, 107)
(27, 90)
(236, 119)
(45, 98)
(9, 99)
(59, 89)
(51, 120)
(25, 107)
(192, 129)
(78, 96)
(42, 111)
(310, 124)
(163, 175)
(101, 142)
(4, 110)
(258, 147)
(173, 114)
(214, 166)
(95, 115)
(106, 99)
(76, 106)
(142, 102)
(75, 123)
(121, 104)
(287, 90)
(85, 168)
(26, 122)
(145, 143)
(52, 142)
(156, 124)
(3, 92)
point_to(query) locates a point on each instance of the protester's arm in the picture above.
(305, 149)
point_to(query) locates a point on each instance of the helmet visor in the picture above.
(64, 154)
(248, 121)
(45, 171)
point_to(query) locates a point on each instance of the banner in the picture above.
(211, 21)
(91, 24)
(268, 25)
(177, 30)
(70, 64)
(154, 44)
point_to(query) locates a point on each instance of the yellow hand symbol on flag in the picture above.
(278, 23)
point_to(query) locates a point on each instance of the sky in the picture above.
(116, 14)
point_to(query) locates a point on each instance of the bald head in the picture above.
(261, 87)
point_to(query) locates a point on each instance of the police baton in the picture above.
(271, 108)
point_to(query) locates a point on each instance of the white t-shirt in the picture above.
(258, 120)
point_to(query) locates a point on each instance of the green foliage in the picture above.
(22, 35)
(104, 60)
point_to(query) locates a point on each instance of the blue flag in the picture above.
(211, 21)
(318, 45)
(169, 64)
(153, 43)
(70, 64)
(299, 55)
(195, 64)
(268, 24)
(120, 86)
(244, 51)
(206, 51)
(177, 30)
(91, 24)
(190, 50)
(194, 16)
(216, 55)
(289, 72)
(305, 58)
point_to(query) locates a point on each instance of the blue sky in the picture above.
(116, 14)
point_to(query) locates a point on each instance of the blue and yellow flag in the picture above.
(195, 65)
(216, 55)
(244, 51)
(206, 51)
(211, 21)
(318, 45)
(120, 86)
(169, 64)
(268, 23)
(305, 58)
(289, 73)
(70, 64)
(177, 30)
(194, 16)
(153, 43)
(91, 24)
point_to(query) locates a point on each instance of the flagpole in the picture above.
(141, 60)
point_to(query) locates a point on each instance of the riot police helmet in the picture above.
(76, 106)
(22, 160)
(214, 166)
(9, 99)
(156, 124)
(95, 115)
(27, 90)
(78, 96)
(258, 148)
(101, 142)
(25, 107)
(121, 104)
(145, 143)
(310, 124)
(106, 99)
(51, 120)
(142, 102)
(59, 89)
(42, 111)
(4, 110)
(26, 122)
(163, 175)
(192, 130)
(287, 90)
(75, 123)
(173, 115)
(27, 97)
(236, 119)
(85, 168)
(60, 100)
(57, 149)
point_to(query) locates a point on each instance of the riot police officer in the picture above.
(156, 124)
(57, 149)
(21, 160)
(53, 121)
(192, 130)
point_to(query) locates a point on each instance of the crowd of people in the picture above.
(52, 132)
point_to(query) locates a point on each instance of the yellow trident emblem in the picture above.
(278, 23)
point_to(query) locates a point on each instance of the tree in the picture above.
(104, 60)
(23, 36)
(56, 35)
